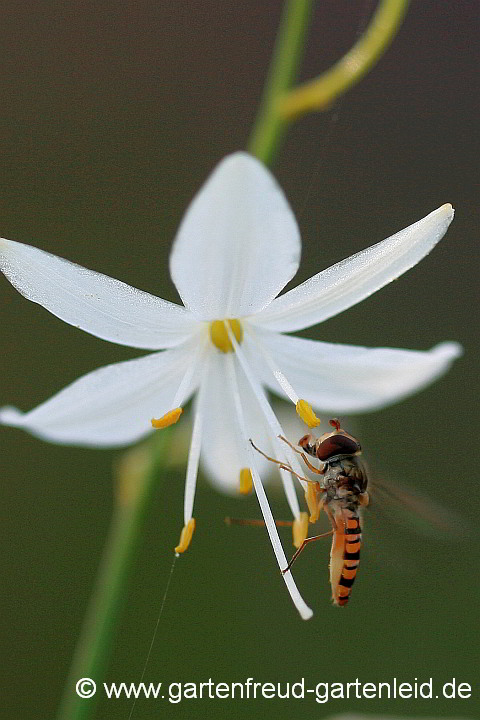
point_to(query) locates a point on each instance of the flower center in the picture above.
(219, 334)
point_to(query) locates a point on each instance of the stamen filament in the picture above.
(183, 388)
(285, 385)
(305, 612)
(275, 427)
(277, 373)
(195, 447)
(172, 416)
(302, 407)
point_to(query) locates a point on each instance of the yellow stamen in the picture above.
(311, 498)
(219, 334)
(170, 418)
(186, 536)
(246, 482)
(300, 529)
(305, 411)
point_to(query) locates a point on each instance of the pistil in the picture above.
(219, 334)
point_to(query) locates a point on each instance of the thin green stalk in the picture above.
(270, 126)
(135, 489)
(318, 94)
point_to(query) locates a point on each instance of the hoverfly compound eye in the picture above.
(308, 443)
(337, 444)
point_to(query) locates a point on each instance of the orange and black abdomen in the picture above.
(345, 555)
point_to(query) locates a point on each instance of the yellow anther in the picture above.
(186, 536)
(300, 529)
(246, 482)
(219, 334)
(170, 418)
(311, 497)
(305, 411)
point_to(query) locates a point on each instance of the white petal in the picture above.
(238, 244)
(352, 280)
(348, 378)
(223, 451)
(286, 454)
(93, 302)
(109, 406)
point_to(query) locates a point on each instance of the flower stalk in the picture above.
(281, 104)
(270, 125)
(138, 476)
(320, 93)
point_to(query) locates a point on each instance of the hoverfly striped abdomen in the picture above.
(352, 541)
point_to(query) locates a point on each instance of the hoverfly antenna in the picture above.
(335, 423)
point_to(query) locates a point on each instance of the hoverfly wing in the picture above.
(416, 510)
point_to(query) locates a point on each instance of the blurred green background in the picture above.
(112, 115)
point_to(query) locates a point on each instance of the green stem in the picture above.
(93, 648)
(270, 126)
(318, 94)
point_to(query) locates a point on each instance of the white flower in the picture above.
(236, 248)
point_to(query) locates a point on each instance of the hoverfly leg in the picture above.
(274, 460)
(307, 462)
(303, 545)
(281, 465)
(317, 471)
(255, 522)
(364, 498)
(291, 445)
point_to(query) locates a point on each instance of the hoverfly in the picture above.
(340, 492)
